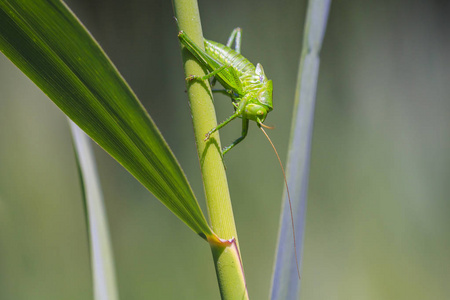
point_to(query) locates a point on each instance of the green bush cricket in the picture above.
(247, 86)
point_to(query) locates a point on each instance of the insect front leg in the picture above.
(231, 118)
(238, 140)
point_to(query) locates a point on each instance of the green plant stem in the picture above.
(227, 260)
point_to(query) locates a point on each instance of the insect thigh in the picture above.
(235, 36)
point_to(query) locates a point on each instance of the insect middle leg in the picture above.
(231, 118)
(228, 93)
(238, 140)
(209, 75)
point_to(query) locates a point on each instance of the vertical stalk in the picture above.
(229, 269)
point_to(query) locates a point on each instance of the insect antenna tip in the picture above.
(289, 197)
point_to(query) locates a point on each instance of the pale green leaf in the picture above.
(102, 261)
(285, 283)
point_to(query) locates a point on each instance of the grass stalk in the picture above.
(228, 264)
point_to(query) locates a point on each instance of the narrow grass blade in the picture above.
(48, 43)
(102, 262)
(285, 284)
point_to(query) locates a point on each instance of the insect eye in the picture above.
(260, 112)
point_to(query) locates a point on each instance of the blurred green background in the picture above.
(378, 223)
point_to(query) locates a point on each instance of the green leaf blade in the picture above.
(46, 41)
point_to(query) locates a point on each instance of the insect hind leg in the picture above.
(235, 36)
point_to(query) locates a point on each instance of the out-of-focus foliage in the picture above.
(104, 281)
(291, 237)
(377, 219)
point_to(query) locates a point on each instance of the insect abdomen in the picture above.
(228, 56)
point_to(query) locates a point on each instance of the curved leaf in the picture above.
(48, 43)
(102, 262)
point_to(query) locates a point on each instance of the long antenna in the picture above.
(289, 196)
